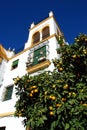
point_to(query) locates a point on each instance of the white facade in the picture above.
(27, 61)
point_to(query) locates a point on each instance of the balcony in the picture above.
(38, 58)
(39, 66)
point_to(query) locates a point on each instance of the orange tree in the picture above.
(58, 99)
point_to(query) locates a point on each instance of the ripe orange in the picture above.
(51, 113)
(53, 98)
(50, 97)
(74, 56)
(54, 86)
(65, 86)
(45, 92)
(34, 86)
(60, 62)
(31, 95)
(70, 93)
(32, 91)
(58, 105)
(50, 108)
(63, 99)
(36, 90)
(60, 69)
(85, 104)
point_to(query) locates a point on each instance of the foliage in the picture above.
(58, 99)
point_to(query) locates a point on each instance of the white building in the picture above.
(39, 50)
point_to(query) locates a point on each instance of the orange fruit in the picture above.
(32, 91)
(70, 93)
(53, 98)
(31, 95)
(34, 86)
(50, 108)
(36, 90)
(63, 99)
(60, 69)
(45, 92)
(54, 86)
(74, 56)
(85, 104)
(51, 113)
(58, 105)
(50, 97)
(66, 86)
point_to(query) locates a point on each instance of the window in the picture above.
(8, 93)
(45, 32)
(38, 58)
(15, 64)
(36, 37)
(2, 128)
(39, 55)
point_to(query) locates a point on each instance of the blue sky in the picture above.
(16, 17)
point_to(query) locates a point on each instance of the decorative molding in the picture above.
(39, 66)
(53, 35)
(6, 114)
(19, 53)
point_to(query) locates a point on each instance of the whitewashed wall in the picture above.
(8, 106)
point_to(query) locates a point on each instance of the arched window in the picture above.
(36, 37)
(45, 32)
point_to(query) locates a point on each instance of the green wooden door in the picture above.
(41, 52)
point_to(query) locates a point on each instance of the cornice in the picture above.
(6, 114)
(33, 45)
(39, 66)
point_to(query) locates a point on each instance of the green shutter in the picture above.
(41, 52)
(15, 63)
(8, 93)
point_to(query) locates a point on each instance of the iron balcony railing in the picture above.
(38, 54)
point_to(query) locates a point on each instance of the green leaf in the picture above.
(44, 117)
(34, 107)
(72, 129)
(67, 126)
(40, 122)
